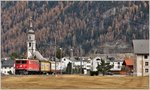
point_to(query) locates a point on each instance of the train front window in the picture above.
(24, 62)
(18, 62)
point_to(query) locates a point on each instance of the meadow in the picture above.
(73, 82)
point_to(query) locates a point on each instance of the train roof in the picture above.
(25, 59)
(34, 59)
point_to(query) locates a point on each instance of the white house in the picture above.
(64, 62)
(94, 63)
(141, 49)
(7, 67)
(86, 64)
(117, 66)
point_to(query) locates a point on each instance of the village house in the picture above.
(117, 63)
(141, 50)
(117, 66)
(64, 62)
(84, 63)
(127, 68)
(7, 67)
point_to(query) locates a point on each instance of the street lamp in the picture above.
(71, 53)
(61, 58)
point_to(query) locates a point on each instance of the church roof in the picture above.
(30, 31)
(39, 56)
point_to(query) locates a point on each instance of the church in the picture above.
(31, 44)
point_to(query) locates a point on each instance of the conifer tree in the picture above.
(104, 67)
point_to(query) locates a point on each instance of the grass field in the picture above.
(74, 82)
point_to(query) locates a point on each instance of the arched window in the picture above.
(29, 44)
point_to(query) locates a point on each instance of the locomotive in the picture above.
(29, 66)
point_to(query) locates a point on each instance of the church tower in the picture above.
(31, 42)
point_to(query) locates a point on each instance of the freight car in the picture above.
(28, 66)
(58, 69)
(45, 67)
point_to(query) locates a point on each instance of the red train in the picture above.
(28, 66)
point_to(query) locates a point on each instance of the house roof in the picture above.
(128, 62)
(141, 46)
(7, 63)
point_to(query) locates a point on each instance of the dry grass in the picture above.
(74, 82)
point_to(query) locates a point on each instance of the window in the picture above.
(88, 65)
(146, 56)
(29, 37)
(29, 44)
(18, 62)
(98, 59)
(146, 70)
(118, 63)
(24, 62)
(64, 59)
(146, 63)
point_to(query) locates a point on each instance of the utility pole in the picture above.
(55, 55)
(80, 60)
(142, 67)
(61, 59)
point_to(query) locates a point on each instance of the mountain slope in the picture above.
(102, 27)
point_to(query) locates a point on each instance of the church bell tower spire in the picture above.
(31, 42)
(31, 22)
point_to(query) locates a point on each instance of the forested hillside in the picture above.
(95, 26)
